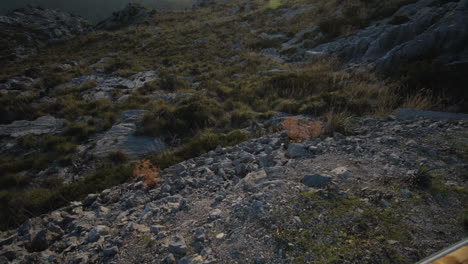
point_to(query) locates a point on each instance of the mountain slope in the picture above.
(86, 118)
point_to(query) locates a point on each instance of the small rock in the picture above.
(194, 259)
(90, 199)
(297, 151)
(411, 143)
(342, 172)
(170, 259)
(215, 214)
(8, 240)
(220, 236)
(109, 252)
(316, 180)
(96, 233)
(177, 245)
(155, 229)
(200, 234)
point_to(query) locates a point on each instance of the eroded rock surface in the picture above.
(42, 125)
(427, 29)
(103, 85)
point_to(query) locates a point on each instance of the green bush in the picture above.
(165, 159)
(16, 108)
(17, 206)
(196, 113)
(240, 117)
(295, 85)
(118, 157)
(8, 181)
(78, 131)
(53, 79)
(10, 164)
(188, 117)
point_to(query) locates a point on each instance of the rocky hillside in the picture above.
(290, 131)
(24, 30)
(272, 201)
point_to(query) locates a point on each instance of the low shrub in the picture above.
(240, 118)
(188, 117)
(422, 178)
(299, 130)
(295, 85)
(16, 108)
(148, 171)
(78, 131)
(17, 181)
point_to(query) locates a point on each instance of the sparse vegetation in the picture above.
(338, 228)
(199, 145)
(18, 205)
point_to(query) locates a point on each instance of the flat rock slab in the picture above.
(121, 137)
(42, 125)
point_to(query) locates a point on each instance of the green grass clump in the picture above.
(118, 157)
(188, 117)
(295, 85)
(79, 131)
(18, 205)
(16, 108)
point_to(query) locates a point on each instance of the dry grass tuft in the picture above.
(299, 130)
(420, 102)
(148, 171)
(337, 122)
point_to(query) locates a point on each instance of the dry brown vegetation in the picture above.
(299, 130)
(148, 171)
